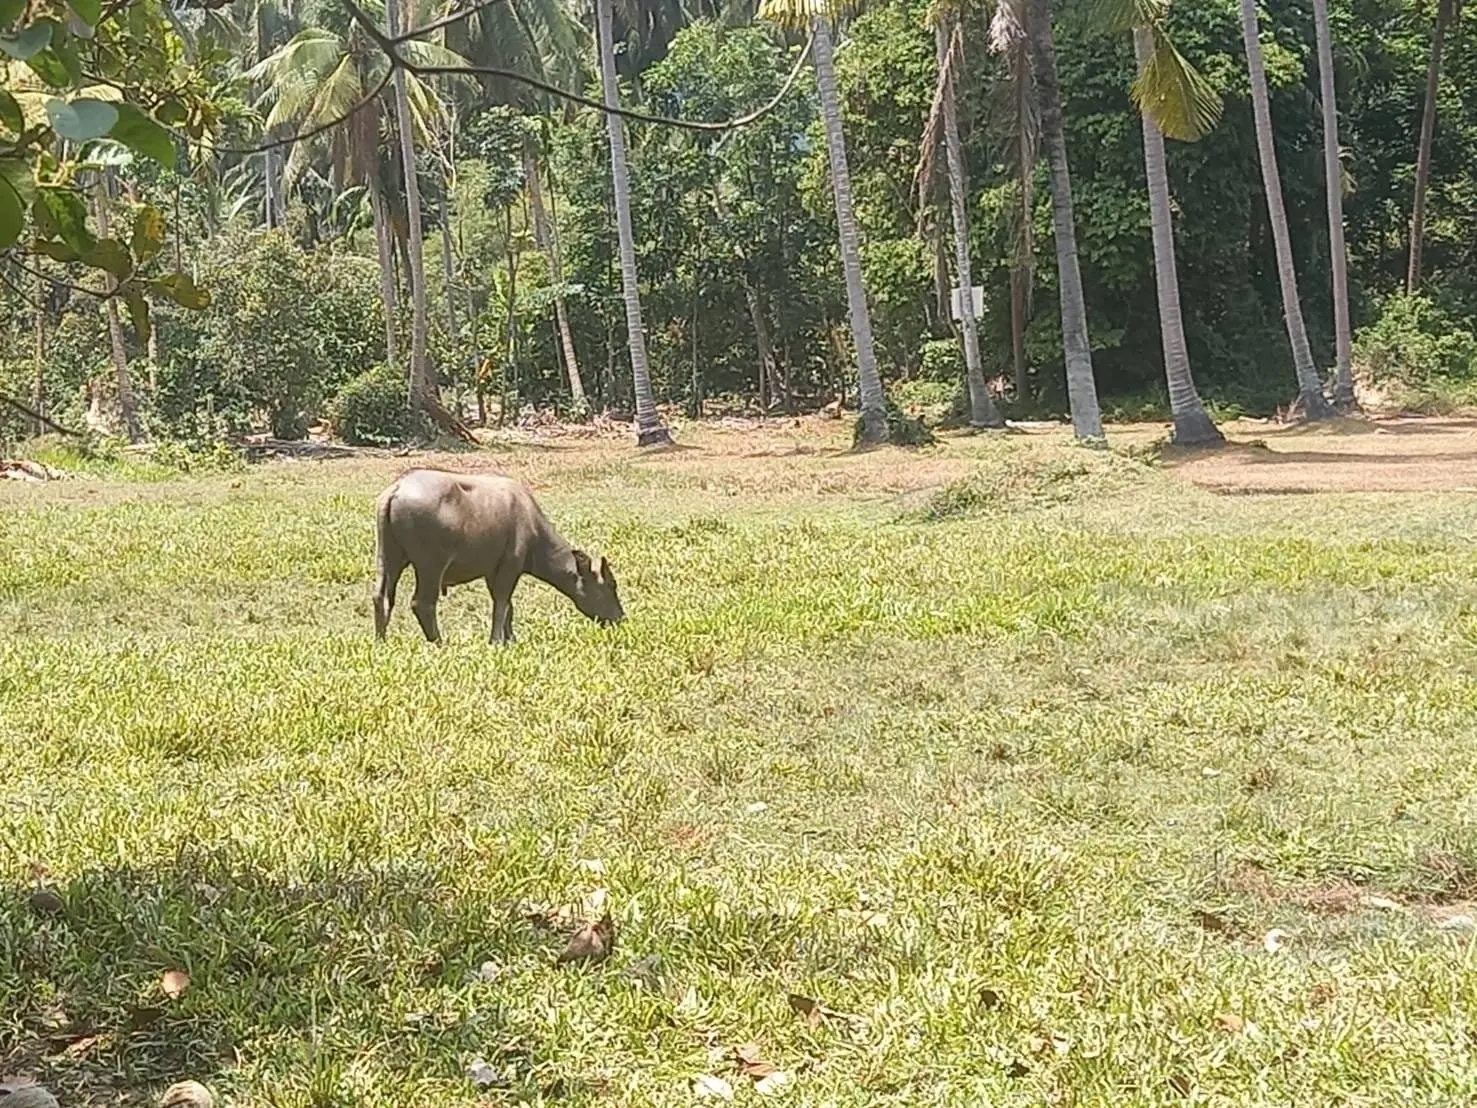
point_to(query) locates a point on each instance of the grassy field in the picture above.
(1049, 777)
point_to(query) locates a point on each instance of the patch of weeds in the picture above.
(1026, 480)
(902, 429)
(198, 458)
(94, 456)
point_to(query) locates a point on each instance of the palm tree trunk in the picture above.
(649, 429)
(1445, 13)
(127, 411)
(1310, 389)
(448, 268)
(982, 412)
(874, 412)
(388, 294)
(423, 392)
(545, 238)
(1343, 389)
(1191, 423)
(1087, 419)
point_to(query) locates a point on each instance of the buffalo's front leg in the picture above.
(501, 587)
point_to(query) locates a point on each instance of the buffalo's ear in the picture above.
(602, 569)
(582, 563)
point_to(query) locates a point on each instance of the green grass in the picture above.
(1017, 784)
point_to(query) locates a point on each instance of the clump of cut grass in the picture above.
(1018, 479)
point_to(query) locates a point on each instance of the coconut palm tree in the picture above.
(313, 79)
(1447, 12)
(818, 16)
(1311, 400)
(1161, 70)
(1333, 178)
(949, 44)
(649, 429)
(1087, 419)
(547, 239)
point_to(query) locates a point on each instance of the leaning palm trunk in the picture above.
(874, 413)
(1310, 389)
(127, 410)
(388, 295)
(1445, 13)
(544, 238)
(982, 412)
(1343, 389)
(1191, 423)
(649, 429)
(1087, 420)
(422, 383)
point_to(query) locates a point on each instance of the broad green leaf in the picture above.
(12, 213)
(29, 43)
(81, 120)
(142, 135)
(67, 213)
(16, 172)
(148, 233)
(138, 311)
(57, 250)
(11, 116)
(171, 112)
(179, 288)
(89, 11)
(110, 255)
(10, 11)
(49, 66)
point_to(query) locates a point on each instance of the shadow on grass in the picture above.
(296, 979)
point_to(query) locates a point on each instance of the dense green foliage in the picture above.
(370, 410)
(735, 234)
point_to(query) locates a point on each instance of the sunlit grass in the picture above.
(1015, 788)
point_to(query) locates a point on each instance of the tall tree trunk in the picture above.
(771, 386)
(1310, 388)
(1191, 423)
(388, 293)
(1087, 419)
(1018, 329)
(1445, 13)
(872, 402)
(422, 392)
(546, 238)
(649, 429)
(127, 411)
(1343, 389)
(982, 411)
(38, 385)
(510, 363)
(448, 269)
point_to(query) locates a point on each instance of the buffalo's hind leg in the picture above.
(427, 594)
(392, 566)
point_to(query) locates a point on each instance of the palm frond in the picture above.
(925, 171)
(1110, 17)
(1174, 94)
(796, 15)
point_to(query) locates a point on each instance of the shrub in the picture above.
(1415, 341)
(941, 360)
(371, 411)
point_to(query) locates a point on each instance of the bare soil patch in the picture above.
(1380, 454)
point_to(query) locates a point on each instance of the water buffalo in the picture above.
(457, 527)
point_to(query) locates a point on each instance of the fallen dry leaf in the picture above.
(1384, 903)
(79, 1047)
(591, 943)
(772, 1083)
(1230, 1021)
(710, 1087)
(808, 1010)
(175, 983)
(751, 1061)
(1274, 940)
(989, 998)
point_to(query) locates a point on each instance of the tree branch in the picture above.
(11, 401)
